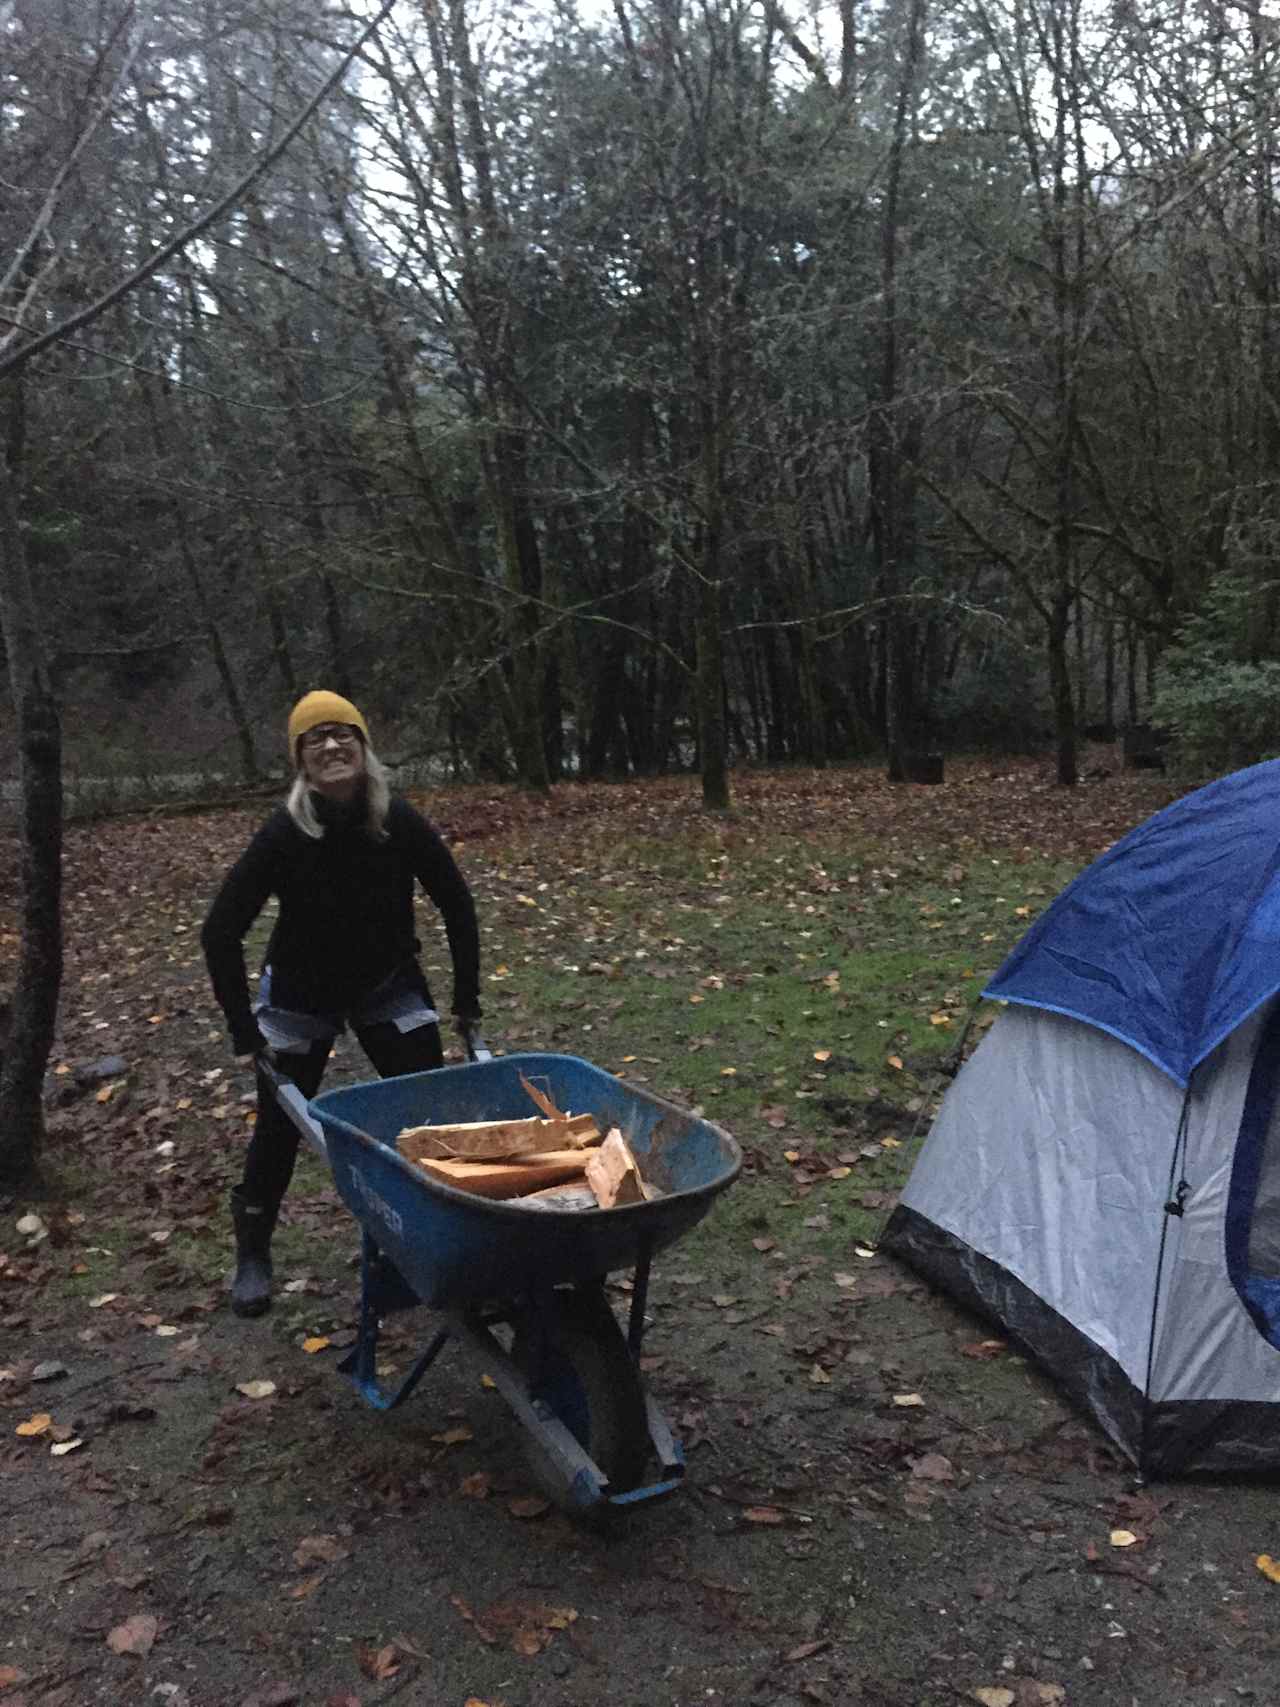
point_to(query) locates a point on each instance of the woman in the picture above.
(340, 856)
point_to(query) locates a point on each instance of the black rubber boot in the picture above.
(254, 1225)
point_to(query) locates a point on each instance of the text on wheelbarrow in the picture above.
(379, 1205)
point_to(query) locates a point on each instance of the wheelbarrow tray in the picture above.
(454, 1249)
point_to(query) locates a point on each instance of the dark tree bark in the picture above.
(34, 999)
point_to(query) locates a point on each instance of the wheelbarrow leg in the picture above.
(668, 1448)
(361, 1364)
(639, 1298)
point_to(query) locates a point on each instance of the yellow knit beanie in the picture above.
(313, 709)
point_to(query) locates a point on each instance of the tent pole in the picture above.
(1173, 1206)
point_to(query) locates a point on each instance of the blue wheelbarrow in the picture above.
(522, 1290)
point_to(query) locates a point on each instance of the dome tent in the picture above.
(1103, 1177)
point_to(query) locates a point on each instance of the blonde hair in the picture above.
(301, 801)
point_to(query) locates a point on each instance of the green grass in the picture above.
(720, 978)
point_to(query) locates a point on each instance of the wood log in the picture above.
(612, 1172)
(541, 1098)
(491, 1140)
(505, 1179)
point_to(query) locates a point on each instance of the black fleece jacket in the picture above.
(346, 921)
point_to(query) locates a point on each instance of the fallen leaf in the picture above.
(806, 1650)
(895, 1061)
(763, 1244)
(316, 1343)
(378, 1663)
(763, 1514)
(728, 1072)
(984, 1349)
(997, 1697)
(822, 1054)
(476, 1486)
(9, 1675)
(308, 1585)
(103, 1298)
(1123, 1538)
(933, 1467)
(273, 1695)
(60, 1448)
(819, 1376)
(40, 1423)
(453, 1436)
(1269, 1567)
(528, 1505)
(319, 1550)
(907, 1400)
(135, 1636)
(256, 1389)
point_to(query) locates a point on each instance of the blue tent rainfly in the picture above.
(1172, 937)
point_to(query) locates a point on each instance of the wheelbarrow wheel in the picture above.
(576, 1361)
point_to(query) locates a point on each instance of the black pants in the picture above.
(273, 1149)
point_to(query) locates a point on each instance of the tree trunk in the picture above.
(1064, 712)
(39, 741)
(281, 656)
(889, 501)
(213, 633)
(522, 570)
(713, 748)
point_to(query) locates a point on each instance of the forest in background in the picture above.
(598, 391)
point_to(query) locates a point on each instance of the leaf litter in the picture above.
(179, 1078)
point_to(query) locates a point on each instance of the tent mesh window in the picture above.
(1253, 1207)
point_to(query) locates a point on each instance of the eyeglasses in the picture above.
(342, 734)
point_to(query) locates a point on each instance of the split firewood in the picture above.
(612, 1172)
(543, 1099)
(492, 1140)
(505, 1179)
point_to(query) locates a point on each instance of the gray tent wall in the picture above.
(1039, 1200)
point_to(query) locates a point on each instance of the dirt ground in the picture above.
(883, 1505)
(829, 1545)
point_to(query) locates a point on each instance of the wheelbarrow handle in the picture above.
(477, 1048)
(290, 1099)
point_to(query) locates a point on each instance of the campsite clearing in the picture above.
(885, 1505)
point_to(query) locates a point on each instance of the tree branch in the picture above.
(18, 358)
